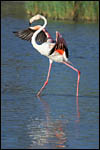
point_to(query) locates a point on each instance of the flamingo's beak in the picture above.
(29, 24)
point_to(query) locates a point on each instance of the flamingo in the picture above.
(55, 50)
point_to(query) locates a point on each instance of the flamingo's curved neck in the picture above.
(37, 32)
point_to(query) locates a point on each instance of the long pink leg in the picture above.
(77, 86)
(78, 75)
(46, 82)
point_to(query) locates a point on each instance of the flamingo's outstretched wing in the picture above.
(60, 45)
(28, 33)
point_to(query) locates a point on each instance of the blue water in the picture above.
(29, 122)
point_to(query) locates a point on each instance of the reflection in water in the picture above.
(47, 131)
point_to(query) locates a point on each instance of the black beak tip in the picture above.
(29, 24)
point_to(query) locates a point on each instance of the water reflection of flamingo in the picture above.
(55, 50)
(47, 131)
(55, 128)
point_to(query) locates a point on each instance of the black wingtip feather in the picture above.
(28, 33)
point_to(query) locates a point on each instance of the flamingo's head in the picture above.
(34, 18)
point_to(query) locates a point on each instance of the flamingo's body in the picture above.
(55, 50)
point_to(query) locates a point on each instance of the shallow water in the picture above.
(50, 121)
